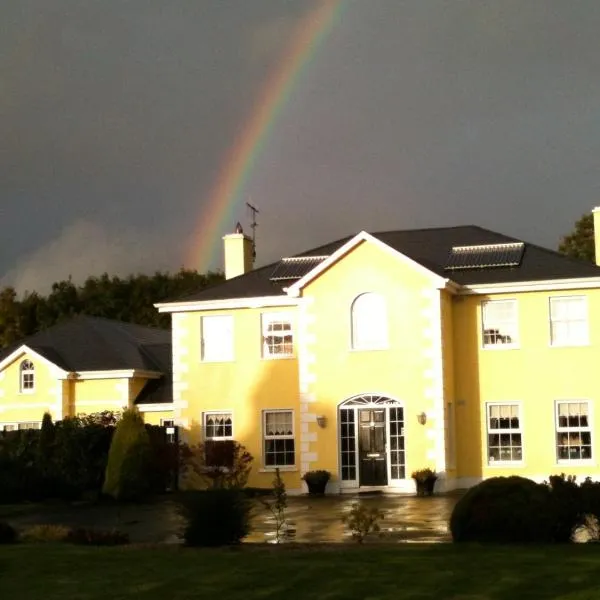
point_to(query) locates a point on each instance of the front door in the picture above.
(371, 447)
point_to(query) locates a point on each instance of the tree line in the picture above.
(129, 299)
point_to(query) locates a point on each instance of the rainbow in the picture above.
(226, 195)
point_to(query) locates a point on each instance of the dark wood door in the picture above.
(371, 447)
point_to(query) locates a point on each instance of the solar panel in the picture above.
(485, 256)
(295, 268)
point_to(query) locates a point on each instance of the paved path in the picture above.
(313, 520)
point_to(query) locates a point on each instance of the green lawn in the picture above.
(403, 571)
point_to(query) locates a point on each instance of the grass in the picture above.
(331, 572)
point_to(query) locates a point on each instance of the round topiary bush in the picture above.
(503, 510)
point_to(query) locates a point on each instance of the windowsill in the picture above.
(288, 469)
(499, 347)
(506, 463)
(26, 392)
(217, 361)
(282, 357)
(570, 345)
(581, 462)
(373, 349)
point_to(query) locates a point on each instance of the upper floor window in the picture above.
(217, 338)
(500, 323)
(277, 335)
(27, 373)
(568, 321)
(369, 322)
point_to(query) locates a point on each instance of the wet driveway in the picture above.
(312, 520)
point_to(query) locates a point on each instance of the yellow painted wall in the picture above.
(18, 407)
(155, 417)
(245, 386)
(449, 366)
(398, 372)
(536, 374)
(97, 395)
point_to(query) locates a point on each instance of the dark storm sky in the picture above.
(115, 117)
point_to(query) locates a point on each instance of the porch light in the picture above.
(422, 418)
(321, 421)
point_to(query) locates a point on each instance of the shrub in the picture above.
(128, 474)
(219, 464)
(277, 504)
(45, 533)
(97, 537)
(504, 510)
(565, 506)
(8, 534)
(316, 481)
(362, 521)
(215, 517)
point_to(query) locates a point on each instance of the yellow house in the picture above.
(83, 366)
(458, 349)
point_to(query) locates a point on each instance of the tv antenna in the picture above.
(254, 211)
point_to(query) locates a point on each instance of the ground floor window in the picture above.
(505, 436)
(218, 426)
(573, 431)
(278, 434)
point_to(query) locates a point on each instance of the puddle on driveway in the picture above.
(310, 520)
(319, 520)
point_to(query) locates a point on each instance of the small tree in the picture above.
(362, 521)
(580, 242)
(277, 504)
(127, 474)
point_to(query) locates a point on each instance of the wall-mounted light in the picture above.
(422, 418)
(321, 421)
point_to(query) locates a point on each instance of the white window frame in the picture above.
(211, 356)
(514, 343)
(552, 320)
(380, 342)
(287, 437)
(219, 438)
(568, 429)
(14, 426)
(269, 318)
(489, 432)
(23, 372)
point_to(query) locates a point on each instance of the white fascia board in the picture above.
(159, 407)
(24, 349)
(295, 289)
(549, 285)
(229, 303)
(117, 374)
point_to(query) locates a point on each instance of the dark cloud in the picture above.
(115, 117)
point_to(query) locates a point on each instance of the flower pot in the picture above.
(316, 488)
(425, 486)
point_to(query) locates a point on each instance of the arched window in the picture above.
(369, 322)
(27, 376)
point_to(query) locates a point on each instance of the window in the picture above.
(279, 443)
(217, 338)
(369, 322)
(573, 431)
(9, 427)
(27, 376)
(277, 335)
(500, 326)
(218, 426)
(505, 443)
(33, 425)
(568, 321)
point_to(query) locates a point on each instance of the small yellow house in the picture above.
(83, 366)
(459, 349)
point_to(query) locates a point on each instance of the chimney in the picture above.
(238, 249)
(596, 213)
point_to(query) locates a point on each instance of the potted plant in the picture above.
(316, 481)
(425, 480)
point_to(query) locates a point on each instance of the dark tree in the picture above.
(580, 242)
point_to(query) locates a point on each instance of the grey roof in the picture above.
(432, 249)
(95, 344)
